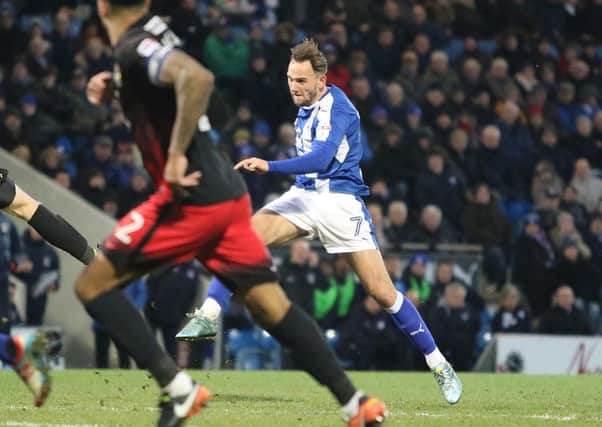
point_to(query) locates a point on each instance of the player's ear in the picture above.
(322, 79)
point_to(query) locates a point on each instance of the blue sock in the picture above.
(7, 349)
(219, 293)
(408, 319)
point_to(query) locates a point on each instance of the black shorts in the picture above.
(7, 189)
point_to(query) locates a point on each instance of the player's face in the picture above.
(304, 84)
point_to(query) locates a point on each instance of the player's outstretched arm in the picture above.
(193, 85)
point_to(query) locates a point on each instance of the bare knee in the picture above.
(97, 278)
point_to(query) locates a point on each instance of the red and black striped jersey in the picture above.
(150, 107)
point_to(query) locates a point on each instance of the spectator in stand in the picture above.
(138, 190)
(498, 78)
(39, 127)
(396, 103)
(444, 276)
(38, 57)
(369, 339)
(589, 187)
(569, 204)
(171, 294)
(517, 144)
(565, 110)
(548, 208)
(394, 268)
(550, 149)
(432, 229)
(439, 72)
(408, 75)
(545, 181)
(227, 56)
(414, 277)
(460, 155)
(300, 276)
(534, 269)
(383, 53)
(512, 316)
(440, 186)
(576, 271)
(564, 318)
(12, 37)
(101, 159)
(565, 228)
(485, 223)
(340, 291)
(493, 165)
(42, 279)
(186, 23)
(361, 95)
(86, 118)
(397, 228)
(593, 239)
(390, 160)
(94, 57)
(62, 45)
(582, 142)
(455, 325)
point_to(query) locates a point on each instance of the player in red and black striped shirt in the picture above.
(201, 210)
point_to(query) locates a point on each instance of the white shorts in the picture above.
(341, 221)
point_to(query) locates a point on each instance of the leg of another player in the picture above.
(294, 329)
(54, 229)
(27, 356)
(371, 271)
(97, 288)
(272, 229)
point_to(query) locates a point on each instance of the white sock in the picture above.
(434, 358)
(350, 408)
(211, 309)
(180, 385)
(397, 305)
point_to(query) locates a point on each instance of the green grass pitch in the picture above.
(259, 399)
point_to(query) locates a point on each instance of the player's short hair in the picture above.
(308, 50)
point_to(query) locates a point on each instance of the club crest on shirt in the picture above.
(147, 47)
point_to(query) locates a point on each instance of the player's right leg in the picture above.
(297, 331)
(272, 228)
(370, 268)
(51, 227)
(244, 263)
(28, 357)
(153, 234)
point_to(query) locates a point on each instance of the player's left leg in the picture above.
(53, 228)
(28, 357)
(98, 289)
(370, 268)
(272, 228)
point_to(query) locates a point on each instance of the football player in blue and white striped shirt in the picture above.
(325, 202)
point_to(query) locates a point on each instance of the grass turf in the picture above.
(258, 399)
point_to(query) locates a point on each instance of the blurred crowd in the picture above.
(481, 124)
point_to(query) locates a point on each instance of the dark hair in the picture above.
(308, 50)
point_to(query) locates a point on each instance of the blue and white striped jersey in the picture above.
(333, 120)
